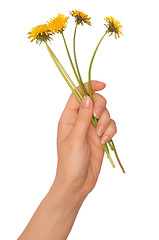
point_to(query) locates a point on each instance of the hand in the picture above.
(80, 155)
(80, 152)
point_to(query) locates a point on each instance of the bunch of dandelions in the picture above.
(45, 33)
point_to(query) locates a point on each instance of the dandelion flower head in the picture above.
(58, 24)
(40, 33)
(80, 17)
(113, 26)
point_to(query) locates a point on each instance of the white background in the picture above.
(33, 95)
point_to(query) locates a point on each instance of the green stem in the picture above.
(114, 149)
(110, 145)
(77, 94)
(90, 66)
(70, 58)
(83, 89)
(61, 69)
(105, 147)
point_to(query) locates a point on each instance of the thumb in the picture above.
(84, 118)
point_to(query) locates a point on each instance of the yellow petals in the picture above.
(40, 33)
(58, 24)
(80, 17)
(113, 26)
(43, 32)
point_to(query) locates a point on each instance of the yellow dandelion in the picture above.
(113, 26)
(80, 17)
(58, 24)
(40, 33)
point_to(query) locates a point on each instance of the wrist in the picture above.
(67, 194)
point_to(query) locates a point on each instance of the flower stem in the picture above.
(105, 147)
(111, 143)
(90, 66)
(64, 74)
(112, 146)
(79, 98)
(83, 89)
(70, 57)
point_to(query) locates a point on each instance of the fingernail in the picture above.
(86, 102)
(104, 140)
(100, 130)
(98, 112)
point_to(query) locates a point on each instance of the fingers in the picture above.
(109, 132)
(103, 122)
(83, 119)
(106, 126)
(73, 104)
(77, 116)
(96, 86)
(70, 113)
(99, 105)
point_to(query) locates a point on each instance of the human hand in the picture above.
(80, 155)
(80, 152)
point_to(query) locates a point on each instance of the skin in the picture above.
(80, 156)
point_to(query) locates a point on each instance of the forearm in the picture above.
(55, 215)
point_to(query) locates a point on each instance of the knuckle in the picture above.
(104, 101)
(108, 115)
(99, 98)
